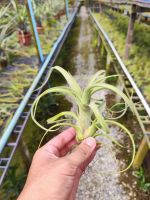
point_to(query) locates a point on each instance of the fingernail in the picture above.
(90, 142)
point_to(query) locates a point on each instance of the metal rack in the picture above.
(141, 105)
(12, 135)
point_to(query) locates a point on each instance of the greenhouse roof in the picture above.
(140, 3)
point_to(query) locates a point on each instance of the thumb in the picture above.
(82, 154)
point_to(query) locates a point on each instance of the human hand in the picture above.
(55, 174)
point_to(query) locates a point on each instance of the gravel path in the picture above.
(95, 183)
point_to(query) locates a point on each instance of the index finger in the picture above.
(62, 139)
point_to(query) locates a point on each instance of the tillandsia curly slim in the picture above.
(92, 118)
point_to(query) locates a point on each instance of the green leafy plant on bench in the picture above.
(143, 184)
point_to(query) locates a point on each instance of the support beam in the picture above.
(129, 38)
(141, 153)
(67, 9)
(139, 17)
(76, 3)
(99, 42)
(108, 63)
(24, 151)
(34, 30)
(103, 55)
(100, 7)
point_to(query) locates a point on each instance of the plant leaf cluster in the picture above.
(143, 184)
(12, 87)
(92, 118)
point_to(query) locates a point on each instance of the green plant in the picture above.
(13, 184)
(3, 14)
(22, 16)
(92, 117)
(48, 11)
(13, 84)
(38, 10)
(140, 174)
(23, 20)
(6, 29)
(139, 61)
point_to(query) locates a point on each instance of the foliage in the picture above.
(143, 184)
(6, 29)
(13, 184)
(92, 117)
(22, 16)
(116, 26)
(5, 26)
(13, 84)
(38, 11)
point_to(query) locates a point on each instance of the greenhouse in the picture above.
(75, 99)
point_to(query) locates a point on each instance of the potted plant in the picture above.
(38, 8)
(39, 26)
(51, 21)
(59, 10)
(49, 14)
(24, 35)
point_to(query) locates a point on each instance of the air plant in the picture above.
(92, 118)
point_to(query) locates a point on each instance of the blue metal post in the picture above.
(67, 9)
(76, 3)
(41, 57)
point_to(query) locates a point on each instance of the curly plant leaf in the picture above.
(68, 77)
(131, 139)
(121, 112)
(54, 128)
(56, 117)
(90, 115)
(63, 90)
(70, 80)
(99, 75)
(94, 83)
(102, 86)
(100, 119)
(109, 137)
